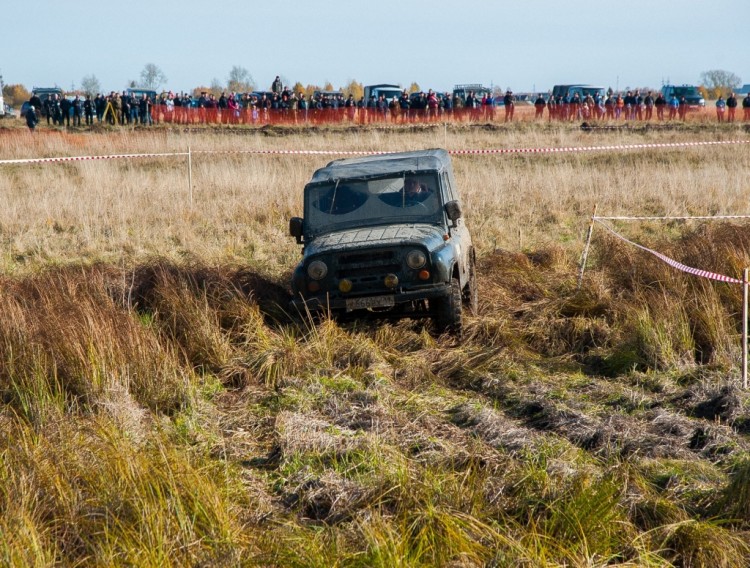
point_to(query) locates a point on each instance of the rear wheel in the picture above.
(448, 311)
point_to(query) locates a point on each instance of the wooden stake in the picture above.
(744, 328)
(585, 254)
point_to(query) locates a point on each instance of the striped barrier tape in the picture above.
(83, 158)
(667, 218)
(364, 152)
(671, 262)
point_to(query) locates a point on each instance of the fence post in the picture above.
(586, 248)
(190, 176)
(744, 328)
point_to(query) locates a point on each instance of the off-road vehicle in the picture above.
(384, 236)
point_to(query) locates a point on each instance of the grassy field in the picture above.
(160, 406)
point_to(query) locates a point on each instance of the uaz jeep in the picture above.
(384, 236)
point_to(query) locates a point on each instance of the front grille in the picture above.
(368, 267)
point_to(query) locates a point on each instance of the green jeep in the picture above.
(384, 236)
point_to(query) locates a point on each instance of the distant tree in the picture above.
(216, 87)
(310, 89)
(240, 80)
(90, 85)
(152, 77)
(354, 88)
(298, 87)
(718, 81)
(414, 88)
(15, 94)
(328, 86)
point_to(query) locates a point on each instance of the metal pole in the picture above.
(586, 248)
(190, 176)
(744, 328)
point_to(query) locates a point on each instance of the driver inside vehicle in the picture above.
(413, 193)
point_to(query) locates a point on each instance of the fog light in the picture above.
(345, 286)
(391, 281)
(424, 274)
(313, 286)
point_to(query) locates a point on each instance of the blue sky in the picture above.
(522, 45)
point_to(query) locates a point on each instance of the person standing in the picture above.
(88, 110)
(65, 106)
(77, 106)
(660, 103)
(721, 106)
(746, 108)
(648, 104)
(539, 105)
(277, 86)
(509, 102)
(731, 107)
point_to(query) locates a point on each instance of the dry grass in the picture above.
(159, 406)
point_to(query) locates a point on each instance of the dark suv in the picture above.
(384, 236)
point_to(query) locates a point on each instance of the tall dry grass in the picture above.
(127, 209)
(159, 406)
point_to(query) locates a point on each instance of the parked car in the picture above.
(384, 237)
(44, 93)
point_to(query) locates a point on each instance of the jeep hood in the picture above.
(430, 236)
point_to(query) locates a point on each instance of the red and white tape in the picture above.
(671, 262)
(84, 158)
(361, 153)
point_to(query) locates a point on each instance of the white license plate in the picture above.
(369, 302)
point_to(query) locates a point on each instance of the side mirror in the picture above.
(295, 228)
(453, 210)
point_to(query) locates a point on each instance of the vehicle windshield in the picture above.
(686, 92)
(346, 204)
(593, 91)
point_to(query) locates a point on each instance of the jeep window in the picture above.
(345, 204)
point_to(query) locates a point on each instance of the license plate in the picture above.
(369, 302)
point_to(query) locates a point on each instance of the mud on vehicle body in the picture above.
(384, 236)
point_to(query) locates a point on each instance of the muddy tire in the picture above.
(448, 311)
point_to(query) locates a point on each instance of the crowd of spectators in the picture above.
(633, 105)
(281, 104)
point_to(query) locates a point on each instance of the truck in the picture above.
(462, 91)
(384, 236)
(582, 90)
(692, 95)
(387, 90)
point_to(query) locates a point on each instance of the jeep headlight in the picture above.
(416, 259)
(317, 270)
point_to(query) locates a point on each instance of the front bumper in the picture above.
(337, 302)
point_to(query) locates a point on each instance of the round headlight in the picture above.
(416, 259)
(317, 270)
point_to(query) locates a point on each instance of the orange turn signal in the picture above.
(424, 274)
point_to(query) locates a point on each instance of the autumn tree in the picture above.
(15, 94)
(298, 88)
(414, 88)
(152, 77)
(357, 90)
(240, 80)
(718, 81)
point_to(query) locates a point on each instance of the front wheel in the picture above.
(448, 311)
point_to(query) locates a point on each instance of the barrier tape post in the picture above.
(585, 255)
(190, 176)
(744, 328)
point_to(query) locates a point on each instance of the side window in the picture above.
(446, 182)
